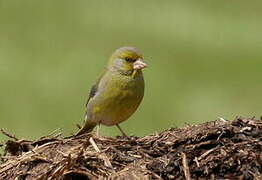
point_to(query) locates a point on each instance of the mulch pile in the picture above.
(213, 150)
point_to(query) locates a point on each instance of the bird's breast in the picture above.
(117, 99)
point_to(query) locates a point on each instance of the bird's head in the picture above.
(127, 60)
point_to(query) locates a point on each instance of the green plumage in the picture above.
(117, 94)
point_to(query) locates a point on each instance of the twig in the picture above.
(222, 119)
(185, 167)
(55, 133)
(206, 153)
(91, 140)
(223, 132)
(9, 135)
(196, 160)
(102, 155)
(24, 157)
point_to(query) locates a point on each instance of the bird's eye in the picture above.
(129, 59)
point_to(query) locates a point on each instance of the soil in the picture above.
(214, 150)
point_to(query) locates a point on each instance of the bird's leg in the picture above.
(123, 133)
(97, 129)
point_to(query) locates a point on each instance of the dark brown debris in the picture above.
(213, 150)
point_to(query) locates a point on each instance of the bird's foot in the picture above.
(123, 133)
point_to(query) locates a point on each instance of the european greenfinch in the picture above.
(118, 92)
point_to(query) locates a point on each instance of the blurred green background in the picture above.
(205, 61)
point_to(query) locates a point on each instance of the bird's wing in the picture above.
(94, 88)
(89, 125)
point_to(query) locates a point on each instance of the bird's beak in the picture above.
(139, 64)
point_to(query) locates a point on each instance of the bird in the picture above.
(118, 91)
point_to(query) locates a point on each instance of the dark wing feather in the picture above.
(92, 92)
(94, 88)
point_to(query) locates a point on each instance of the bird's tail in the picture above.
(88, 127)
